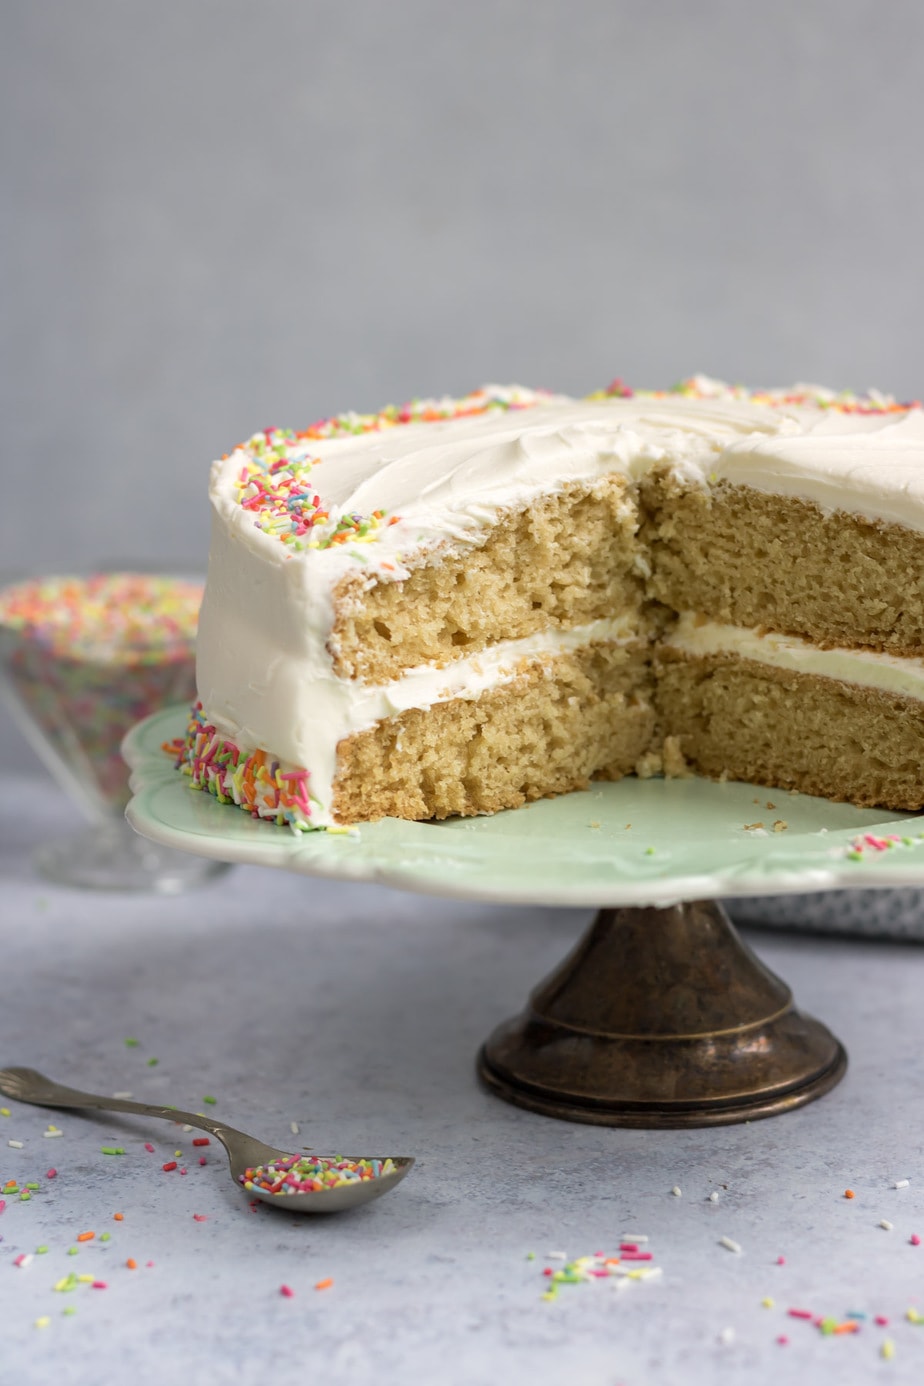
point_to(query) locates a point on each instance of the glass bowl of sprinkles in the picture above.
(83, 659)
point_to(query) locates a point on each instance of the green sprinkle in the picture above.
(69, 1310)
(40, 1250)
(104, 1236)
(72, 1251)
(649, 851)
(854, 856)
(152, 1063)
(210, 1100)
(33, 1186)
(24, 1196)
(132, 1043)
(530, 1256)
(109, 1150)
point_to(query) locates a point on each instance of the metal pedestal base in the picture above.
(662, 1017)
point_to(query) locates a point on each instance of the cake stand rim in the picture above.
(300, 853)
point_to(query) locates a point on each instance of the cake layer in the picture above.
(749, 558)
(561, 721)
(560, 562)
(739, 718)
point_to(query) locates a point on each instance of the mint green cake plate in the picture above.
(661, 1016)
(635, 842)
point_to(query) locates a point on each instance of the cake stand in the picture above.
(661, 1016)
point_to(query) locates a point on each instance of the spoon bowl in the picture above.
(245, 1153)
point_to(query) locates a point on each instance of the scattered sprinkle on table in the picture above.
(885, 1225)
(210, 1100)
(849, 1193)
(286, 1292)
(728, 1244)
(324, 1284)
(85, 1236)
(677, 1191)
(901, 1183)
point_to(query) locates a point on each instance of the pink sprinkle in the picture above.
(51, 1174)
(200, 1217)
(881, 1320)
(782, 1340)
(149, 1146)
(637, 1256)
(914, 1239)
(149, 1263)
(781, 1260)
(100, 1285)
(286, 1292)
(203, 1160)
(2, 1204)
(628, 1246)
(184, 1171)
(800, 1314)
(21, 1260)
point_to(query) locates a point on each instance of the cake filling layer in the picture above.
(693, 635)
(340, 708)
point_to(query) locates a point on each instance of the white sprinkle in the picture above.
(122, 1096)
(50, 1134)
(647, 1272)
(17, 1145)
(714, 1197)
(885, 1221)
(727, 1336)
(901, 1183)
(728, 1244)
(634, 1237)
(677, 1191)
(556, 1256)
(186, 1128)
(293, 1127)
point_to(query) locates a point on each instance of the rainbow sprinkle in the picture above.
(295, 1174)
(256, 781)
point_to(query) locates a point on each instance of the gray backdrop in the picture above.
(219, 215)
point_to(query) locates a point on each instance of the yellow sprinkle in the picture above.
(86, 1279)
(43, 1322)
(768, 1303)
(888, 1349)
(4, 1111)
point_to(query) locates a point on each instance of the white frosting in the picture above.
(890, 674)
(299, 708)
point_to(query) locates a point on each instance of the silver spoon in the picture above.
(244, 1153)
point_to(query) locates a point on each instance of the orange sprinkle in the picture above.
(324, 1284)
(849, 1327)
(849, 1193)
(86, 1236)
(132, 1263)
(118, 1216)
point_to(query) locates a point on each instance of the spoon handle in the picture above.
(27, 1085)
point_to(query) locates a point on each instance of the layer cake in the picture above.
(464, 605)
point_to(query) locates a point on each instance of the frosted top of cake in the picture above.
(368, 491)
